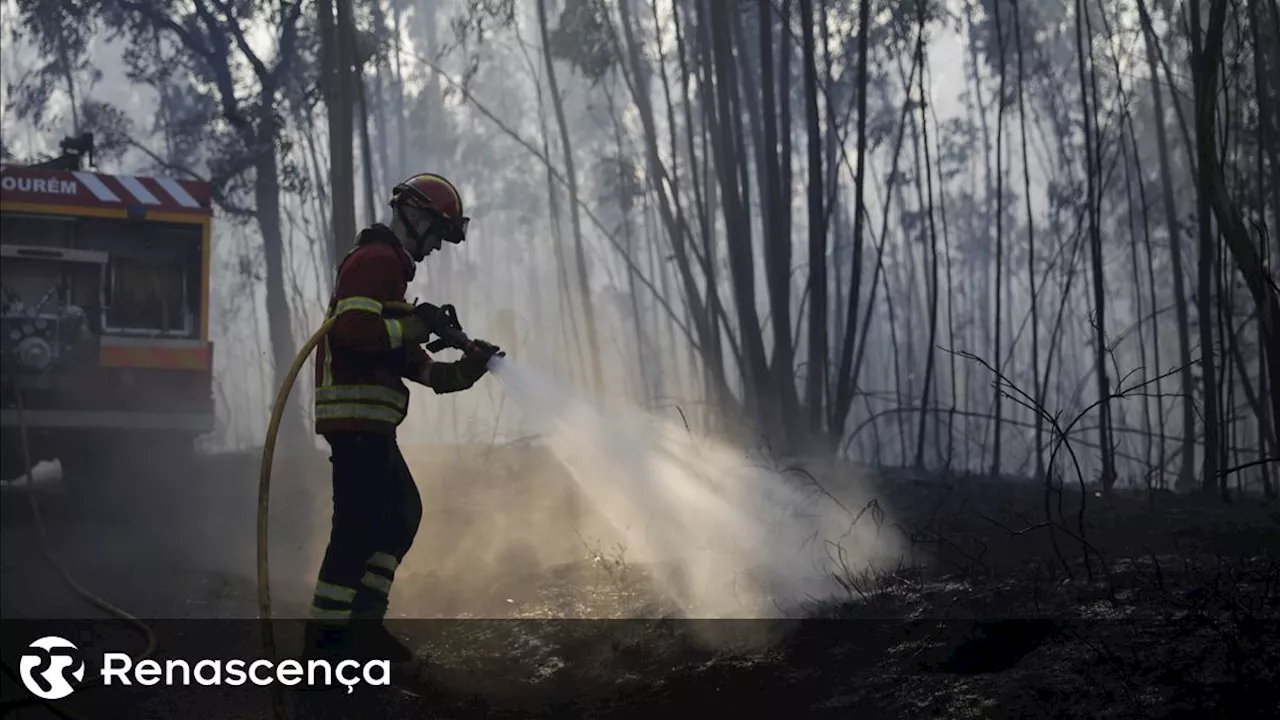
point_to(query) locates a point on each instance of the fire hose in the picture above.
(442, 321)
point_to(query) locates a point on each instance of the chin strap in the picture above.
(419, 239)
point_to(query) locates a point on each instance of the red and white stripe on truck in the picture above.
(85, 189)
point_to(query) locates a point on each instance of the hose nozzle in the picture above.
(443, 322)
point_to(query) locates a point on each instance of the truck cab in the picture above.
(104, 315)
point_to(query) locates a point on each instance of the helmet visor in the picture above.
(453, 230)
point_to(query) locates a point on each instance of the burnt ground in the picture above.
(1144, 607)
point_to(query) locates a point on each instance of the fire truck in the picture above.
(105, 317)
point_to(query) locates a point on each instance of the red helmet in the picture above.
(438, 197)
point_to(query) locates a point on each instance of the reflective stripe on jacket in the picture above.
(361, 363)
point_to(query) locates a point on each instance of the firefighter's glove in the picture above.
(413, 330)
(451, 377)
(482, 352)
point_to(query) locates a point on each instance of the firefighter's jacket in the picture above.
(362, 362)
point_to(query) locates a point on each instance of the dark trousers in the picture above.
(376, 513)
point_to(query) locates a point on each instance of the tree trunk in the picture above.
(1248, 259)
(338, 100)
(396, 167)
(953, 383)
(579, 249)
(1157, 366)
(643, 355)
(846, 382)
(706, 318)
(1093, 167)
(773, 195)
(1204, 69)
(1134, 266)
(1031, 250)
(1184, 478)
(321, 200)
(385, 176)
(996, 449)
(815, 385)
(983, 229)
(566, 322)
(1266, 140)
(366, 152)
(280, 330)
(834, 212)
(726, 125)
(925, 400)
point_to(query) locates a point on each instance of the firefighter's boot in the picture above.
(325, 640)
(361, 640)
(373, 641)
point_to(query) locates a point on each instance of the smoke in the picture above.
(726, 538)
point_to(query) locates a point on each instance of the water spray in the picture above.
(723, 535)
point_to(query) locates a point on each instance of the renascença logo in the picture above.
(50, 659)
(46, 665)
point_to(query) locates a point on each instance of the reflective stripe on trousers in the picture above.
(332, 603)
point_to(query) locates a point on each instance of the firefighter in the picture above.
(360, 400)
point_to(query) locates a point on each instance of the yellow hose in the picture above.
(264, 477)
(264, 505)
(48, 552)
